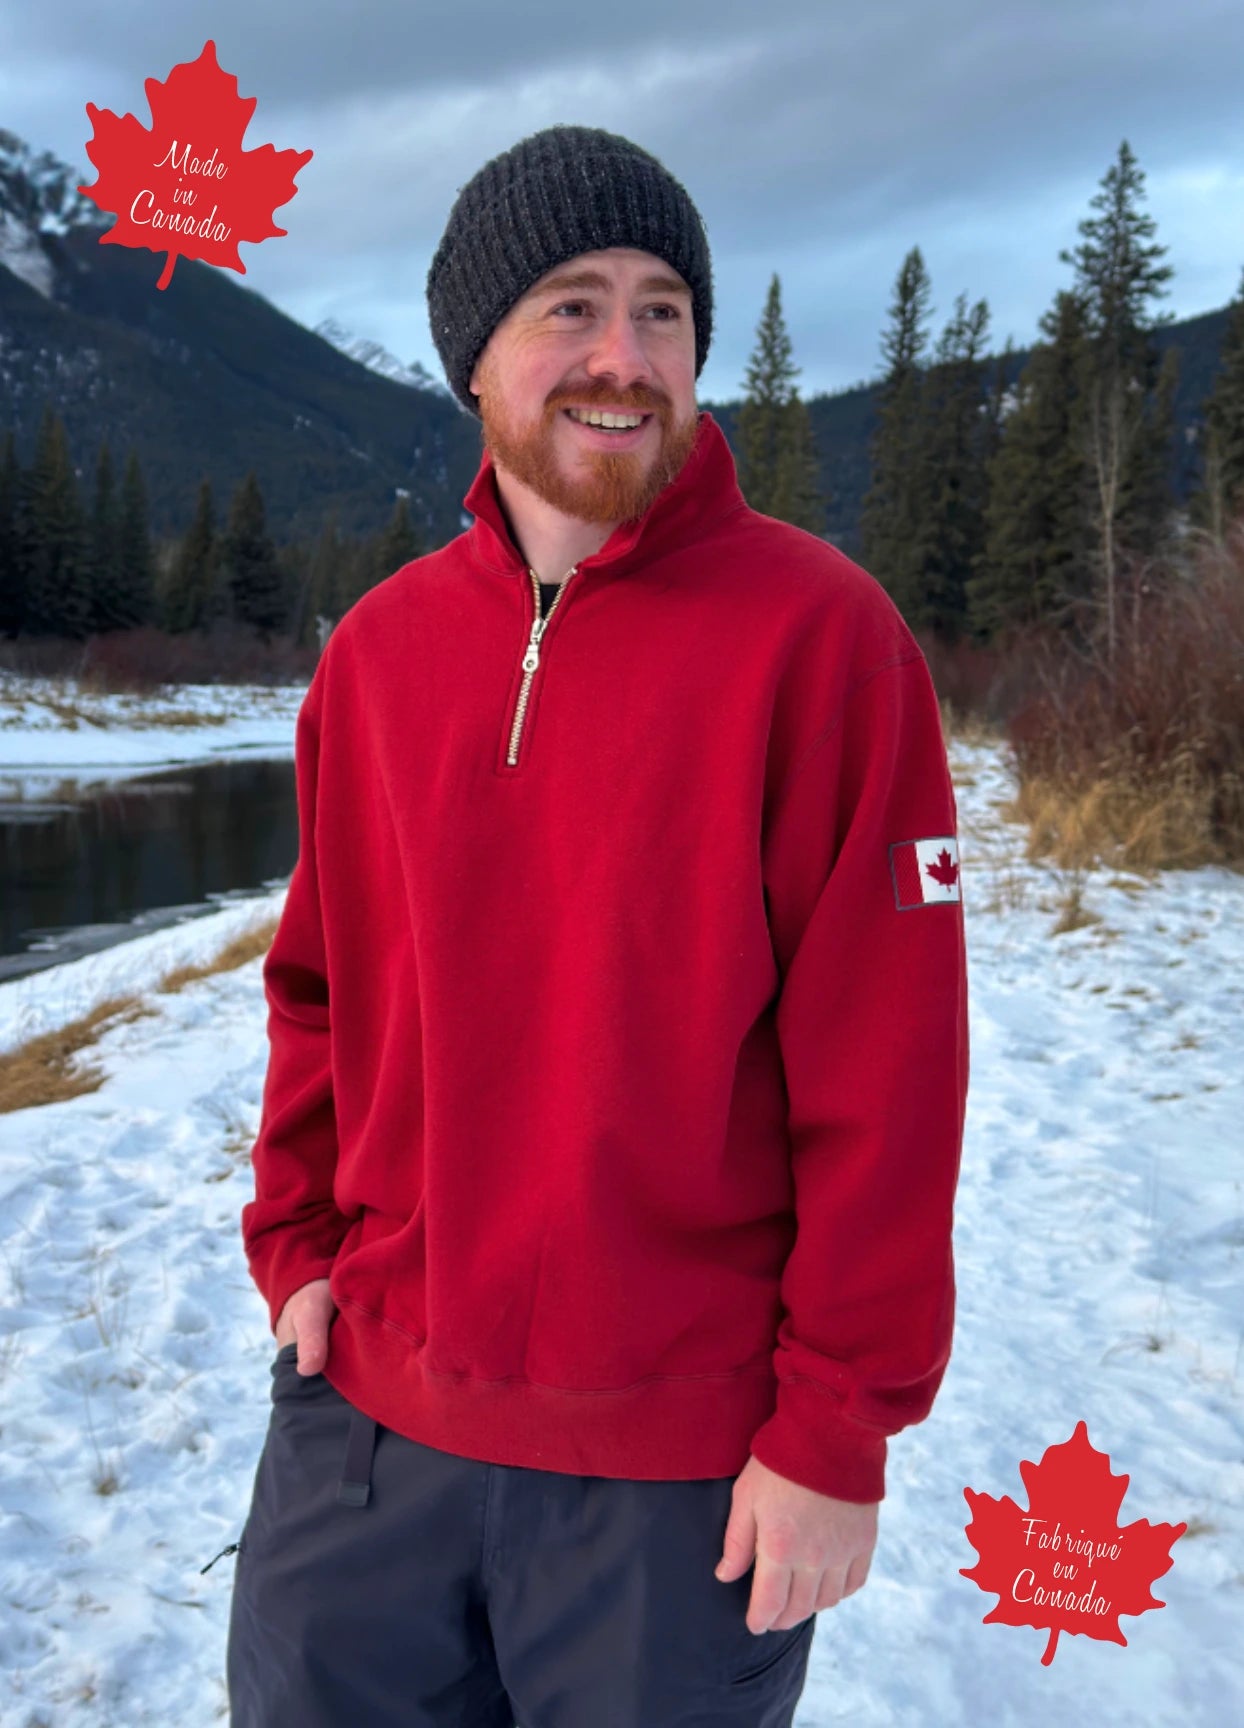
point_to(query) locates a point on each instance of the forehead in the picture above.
(617, 268)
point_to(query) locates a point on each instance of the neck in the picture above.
(551, 544)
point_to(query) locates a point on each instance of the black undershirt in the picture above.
(548, 593)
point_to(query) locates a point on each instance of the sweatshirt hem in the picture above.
(659, 1429)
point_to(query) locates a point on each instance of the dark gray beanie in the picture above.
(560, 192)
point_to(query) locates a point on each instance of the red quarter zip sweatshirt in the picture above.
(618, 1005)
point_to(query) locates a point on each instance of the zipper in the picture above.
(531, 660)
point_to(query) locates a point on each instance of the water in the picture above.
(95, 865)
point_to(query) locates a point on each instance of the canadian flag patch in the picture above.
(925, 872)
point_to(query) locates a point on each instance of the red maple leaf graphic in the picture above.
(943, 871)
(185, 185)
(1065, 1564)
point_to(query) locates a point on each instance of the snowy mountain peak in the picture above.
(41, 192)
(377, 358)
(38, 195)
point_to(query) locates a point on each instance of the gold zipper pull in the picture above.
(531, 659)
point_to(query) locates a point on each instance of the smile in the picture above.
(602, 435)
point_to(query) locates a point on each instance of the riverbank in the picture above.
(53, 733)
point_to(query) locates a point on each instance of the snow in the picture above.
(50, 730)
(21, 252)
(1099, 1246)
(38, 195)
(376, 357)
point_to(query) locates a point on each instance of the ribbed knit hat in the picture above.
(560, 192)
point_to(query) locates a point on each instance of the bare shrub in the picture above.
(1135, 750)
(142, 660)
(970, 678)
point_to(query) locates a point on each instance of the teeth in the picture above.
(596, 418)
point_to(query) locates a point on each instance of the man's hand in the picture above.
(305, 1319)
(810, 1549)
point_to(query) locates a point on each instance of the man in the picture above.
(618, 1028)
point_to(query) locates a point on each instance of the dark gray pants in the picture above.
(384, 1584)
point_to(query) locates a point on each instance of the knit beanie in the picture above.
(560, 192)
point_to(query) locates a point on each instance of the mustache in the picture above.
(618, 402)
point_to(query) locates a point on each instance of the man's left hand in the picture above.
(810, 1550)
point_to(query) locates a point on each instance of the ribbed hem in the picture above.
(661, 1429)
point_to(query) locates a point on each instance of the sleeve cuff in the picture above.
(285, 1266)
(809, 1440)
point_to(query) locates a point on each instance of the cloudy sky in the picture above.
(818, 140)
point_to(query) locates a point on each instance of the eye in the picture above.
(570, 305)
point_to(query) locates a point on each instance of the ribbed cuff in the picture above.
(810, 1441)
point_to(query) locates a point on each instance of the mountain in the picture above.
(205, 377)
(208, 378)
(38, 195)
(378, 359)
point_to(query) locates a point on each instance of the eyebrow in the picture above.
(571, 279)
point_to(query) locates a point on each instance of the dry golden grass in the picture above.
(1121, 819)
(52, 1065)
(1073, 914)
(250, 945)
(73, 714)
(46, 1068)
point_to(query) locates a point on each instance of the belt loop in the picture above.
(354, 1488)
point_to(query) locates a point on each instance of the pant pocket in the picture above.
(774, 1649)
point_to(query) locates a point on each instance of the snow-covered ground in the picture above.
(49, 731)
(1099, 1245)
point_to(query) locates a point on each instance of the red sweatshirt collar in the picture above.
(705, 488)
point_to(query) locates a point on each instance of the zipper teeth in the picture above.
(524, 694)
(516, 731)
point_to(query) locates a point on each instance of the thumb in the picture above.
(738, 1545)
(312, 1335)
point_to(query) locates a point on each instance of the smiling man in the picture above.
(618, 1023)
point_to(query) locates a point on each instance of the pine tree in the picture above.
(997, 399)
(1116, 276)
(327, 597)
(895, 516)
(11, 586)
(250, 561)
(56, 571)
(136, 592)
(1038, 518)
(799, 498)
(358, 570)
(399, 543)
(767, 387)
(1219, 500)
(1146, 495)
(777, 461)
(105, 551)
(954, 413)
(196, 596)
(295, 559)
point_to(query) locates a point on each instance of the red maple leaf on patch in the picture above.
(1065, 1564)
(943, 871)
(185, 185)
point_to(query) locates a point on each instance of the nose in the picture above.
(619, 351)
